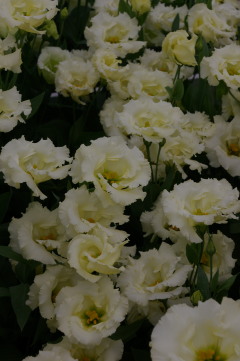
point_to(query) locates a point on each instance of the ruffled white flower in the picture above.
(10, 55)
(223, 148)
(23, 161)
(153, 121)
(114, 169)
(37, 235)
(118, 33)
(209, 331)
(76, 77)
(179, 48)
(228, 10)
(223, 64)
(96, 253)
(230, 105)
(199, 124)
(58, 354)
(107, 350)
(108, 64)
(140, 6)
(111, 106)
(108, 6)
(12, 107)
(140, 81)
(211, 25)
(156, 275)
(48, 61)
(46, 286)
(190, 204)
(81, 210)
(28, 15)
(222, 260)
(89, 312)
(159, 22)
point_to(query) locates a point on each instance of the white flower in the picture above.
(37, 235)
(153, 121)
(48, 61)
(118, 33)
(209, 331)
(46, 286)
(140, 6)
(109, 6)
(114, 169)
(23, 161)
(108, 64)
(223, 64)
(140, 81)
(12, 107)
(230, 105)
(81, 210)
(28, 15)
(75, 77)
(199, 124)
(89, 312)
(223, 148)
(96, 253)
(190, 204)
(156, 275)
(179, 48)
(58, 354)
(159, 22)
(208, 23)
(10, 55)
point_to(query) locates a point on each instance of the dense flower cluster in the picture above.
(119, 161)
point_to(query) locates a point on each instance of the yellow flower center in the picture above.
(233, 149)
(204, 259)
(91, 220)
(210, 354)
(111, 177)
(113, 39)
(199, 212)
(92, 317)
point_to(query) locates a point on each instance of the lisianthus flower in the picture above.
(10, 55)
(12, 107)
(81, 210)
(223, 148)
(38, 234)
(108, 6)
(23, 161)
(96, 253)
(115, 169)
(156, 275)
(190, 204)
(118, 33)
(209, 331)
(89, 312)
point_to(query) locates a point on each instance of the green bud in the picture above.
(210, 249)
(64, 13)
(51, 29)
(196, 297)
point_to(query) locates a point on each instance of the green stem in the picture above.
(147, 145)
(160, 145)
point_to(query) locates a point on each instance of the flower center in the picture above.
(92, 317)
(233, 149)
(210, 354)
(111, 177)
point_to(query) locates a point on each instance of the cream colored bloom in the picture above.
(223, 148)
(108, 64)
(115, 169)
(81, 210)
(75, 77)
(190, 204)
(46, 286)
(12, 107)
(107, 350)
(108, 6)
(37, 235)
(117, 33)
(179, 48)
(140, 6)
(48, 61)
(223, 64)
(230, 105)
(90, 312)
(53, 355)
(209, 331)
(28, 15)
(10, 55)
(159, 22)
(151, 120)
(111, 106)
(23, 161)
(156, 275)
(199, 124)
(211, 25)
(96, 253)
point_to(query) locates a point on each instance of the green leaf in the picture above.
(4, 203)
(193, 252)
(36, 103)
(7, 252)
(214, 283)
(201, 49)
(127, 332)
(26, 271)
(124, 7)
(4, 292)
(176, 23)
(75, 24)
(226, 285)
(203, 284)
(141, 355)
(18, 299)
